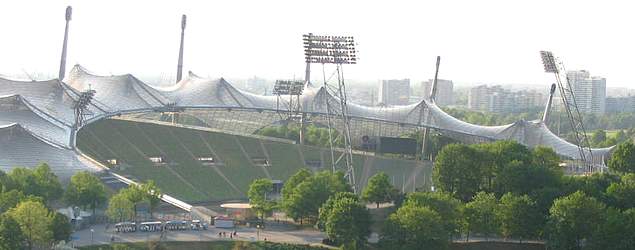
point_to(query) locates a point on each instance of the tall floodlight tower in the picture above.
(69, 13)
(555, 66)
(292, 90)
(179, 67)
(337, 50)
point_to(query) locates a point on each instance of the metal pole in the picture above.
(179, 67)
(69, 13)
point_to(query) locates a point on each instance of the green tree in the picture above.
(60, 227)
(258, 190)
(152, 194)
(40, 181)
(457, 171)
(309, 195)
(443, 204)
(623, 158)
(294, 181)
(518, 216)
(617, 231)
(348, 222)
(35, 220)
(85, 190)
(480, 215)
(135, 195)
(545, 157)
(414, 227)
(24, 180)
(378, 190)
(572, 219)
(11, 236)
(10, 199)
(327, 207)
(622, 194)
(120, 208)
(495, 158)
(49, 185)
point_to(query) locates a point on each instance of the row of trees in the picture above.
(511, 191)
(123, 205)
(26, 218)
(325, 199)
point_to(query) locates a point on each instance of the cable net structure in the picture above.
(37, 117)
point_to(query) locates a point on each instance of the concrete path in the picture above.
(101, 235)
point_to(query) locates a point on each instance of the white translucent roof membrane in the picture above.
(116, 93)
(14, 109)
(45, 117)
(51, 97)
(19, 147)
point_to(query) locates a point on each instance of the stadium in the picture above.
(119, 132)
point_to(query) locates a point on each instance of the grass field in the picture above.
(184, 177)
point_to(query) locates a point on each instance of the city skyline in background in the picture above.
(395, 41)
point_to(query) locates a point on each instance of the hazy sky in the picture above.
(478, 41)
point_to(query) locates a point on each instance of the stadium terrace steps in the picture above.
(184, 177)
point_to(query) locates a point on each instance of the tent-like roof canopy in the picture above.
(38, 115)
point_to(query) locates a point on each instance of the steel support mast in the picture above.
(555, 66)
(338, 50)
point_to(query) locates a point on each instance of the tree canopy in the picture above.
(623, 158)
(85, 190)
(480, 215)
(34, 220)
(572, 219)
(346, 220)
(40, 181)
(519, 216)
(414, 227)
(11, 236)
(443, 204)
(258, 190)
(378, 190)
(120, 208)
(304, 200)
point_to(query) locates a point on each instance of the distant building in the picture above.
(478, 98)
(394, 92)
(589, 91)
(620, 104)
(498, 100)
(445, 90)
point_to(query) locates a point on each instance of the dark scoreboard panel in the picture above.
(394, 145)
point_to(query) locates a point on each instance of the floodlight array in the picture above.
(288, 87)
(548, 61)
(329, 49)
(84, 99)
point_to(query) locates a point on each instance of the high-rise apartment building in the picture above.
(498, 100)
(394, 92)
(445, 90)
(589, 91)
(620, 104)
(478, 98)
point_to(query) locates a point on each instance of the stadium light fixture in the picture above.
(329, 49)
(549, 62)
(287, 87)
